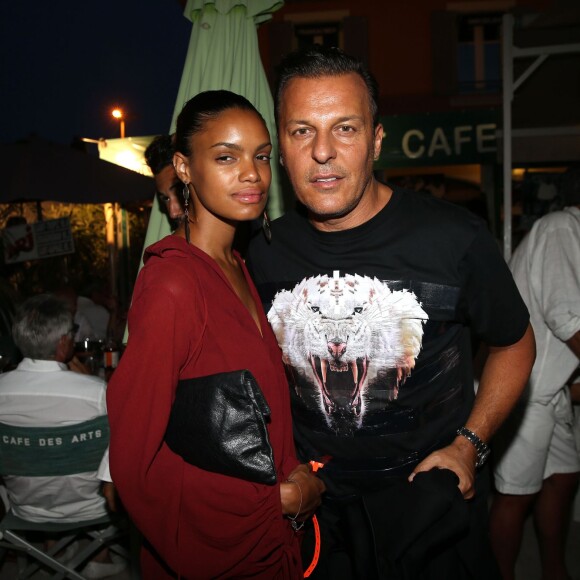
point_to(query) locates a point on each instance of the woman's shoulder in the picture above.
(169, 267)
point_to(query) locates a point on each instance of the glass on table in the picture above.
(4, 361)
(89, 351)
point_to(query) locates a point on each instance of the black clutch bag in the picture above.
(218, 423)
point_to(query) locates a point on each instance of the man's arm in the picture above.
(110, 493)
(504, 377)
(574, 343)
(575, 393)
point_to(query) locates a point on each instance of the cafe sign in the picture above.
(44, 239)
(451, 138)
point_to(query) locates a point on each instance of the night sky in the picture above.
(64, 64)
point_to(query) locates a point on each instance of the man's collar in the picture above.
(41, 366)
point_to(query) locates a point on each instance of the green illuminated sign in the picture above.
(439, 139)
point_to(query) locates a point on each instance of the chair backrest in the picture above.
(48, 451)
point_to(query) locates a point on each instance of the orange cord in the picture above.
(314, 562)
(315, 465)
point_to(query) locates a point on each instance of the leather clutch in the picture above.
(218, 423)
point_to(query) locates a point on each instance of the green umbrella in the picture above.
(223, 54)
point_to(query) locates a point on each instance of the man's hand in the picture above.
(503, 379)
(301, 496)
(74, 364)
(459, 457)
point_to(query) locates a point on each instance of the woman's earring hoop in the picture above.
(186, 209)
(266, 227)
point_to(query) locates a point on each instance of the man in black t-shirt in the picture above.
(372, 292)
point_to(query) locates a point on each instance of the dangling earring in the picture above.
(266, 227)
(186, 210)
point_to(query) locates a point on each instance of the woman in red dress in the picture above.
(195, 312)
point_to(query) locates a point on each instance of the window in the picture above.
(324, 33)
(479, 53)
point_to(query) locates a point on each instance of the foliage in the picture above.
(91, 258)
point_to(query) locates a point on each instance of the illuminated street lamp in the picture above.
(118, 114)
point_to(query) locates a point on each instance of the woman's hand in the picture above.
(300, 493)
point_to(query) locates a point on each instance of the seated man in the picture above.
(43, 392)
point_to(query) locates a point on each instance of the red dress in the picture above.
(186, 321)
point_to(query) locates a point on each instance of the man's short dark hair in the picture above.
(319, 61)
(159, 153)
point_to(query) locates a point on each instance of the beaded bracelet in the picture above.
(295, 525)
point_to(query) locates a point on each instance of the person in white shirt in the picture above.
(97, 316)
(83, 329)
(43, 392)
(537, 463)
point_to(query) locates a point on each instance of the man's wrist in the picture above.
(481, 447)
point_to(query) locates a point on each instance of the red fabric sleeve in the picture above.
(140, 395)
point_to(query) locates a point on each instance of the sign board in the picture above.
(44, 239)
(451, 138)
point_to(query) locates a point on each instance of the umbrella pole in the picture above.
(110, 229)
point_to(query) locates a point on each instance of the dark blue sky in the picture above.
(64, 64)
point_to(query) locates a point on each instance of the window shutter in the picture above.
(444, 52)
(356, 37)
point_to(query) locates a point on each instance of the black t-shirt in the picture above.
(374, 324)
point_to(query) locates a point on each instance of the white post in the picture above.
(507, 69)
(110, 230)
